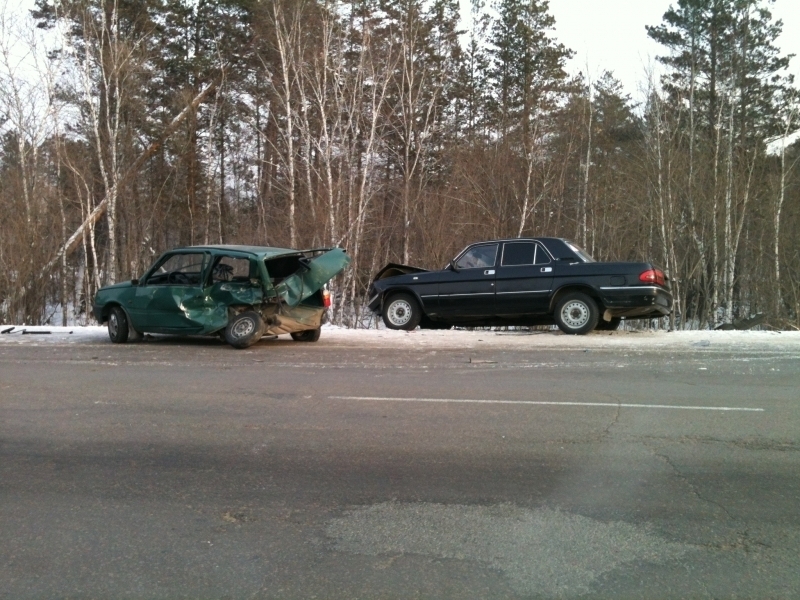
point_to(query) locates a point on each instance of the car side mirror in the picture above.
(134, 282)
(454, 266)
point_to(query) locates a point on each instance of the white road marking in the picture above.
(544, 403)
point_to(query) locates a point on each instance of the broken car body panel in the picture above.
(197, 290)
(395, 269)
(312, 276)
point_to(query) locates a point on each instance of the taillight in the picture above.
(326, 298)
(652, 276)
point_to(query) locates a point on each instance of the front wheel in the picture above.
(244, 330)
(402, 312)
(309, 335)
(118, 325)
(576, 314)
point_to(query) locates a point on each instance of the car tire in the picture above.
(244, 330)
(401, 311)
(309, 335)
(118, 325)
(576, 314)
(612, 325)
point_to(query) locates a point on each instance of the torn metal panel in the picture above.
(298, 318)
(313, 274)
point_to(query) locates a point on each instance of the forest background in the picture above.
(398, 130)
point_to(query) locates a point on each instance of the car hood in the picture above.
(394, 269)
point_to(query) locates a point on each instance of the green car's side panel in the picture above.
(161, 308)
(296, 288)
(188, 309)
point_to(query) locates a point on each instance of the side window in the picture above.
(230, 268)
(518, 253)
(542, 258)
(179, 269)
(478, 257)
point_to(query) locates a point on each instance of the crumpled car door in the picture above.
(312, 276)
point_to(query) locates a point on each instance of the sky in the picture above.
(610, 35)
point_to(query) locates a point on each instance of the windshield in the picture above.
(582, 254)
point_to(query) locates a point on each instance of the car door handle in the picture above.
(489, 272)
(547, 269)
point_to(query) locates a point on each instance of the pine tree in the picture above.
(527, 64)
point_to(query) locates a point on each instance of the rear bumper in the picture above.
(637, 301)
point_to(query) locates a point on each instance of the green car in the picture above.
(238, 292)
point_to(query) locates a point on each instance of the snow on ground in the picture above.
(35, 334)
(786, 341)
(518, 340)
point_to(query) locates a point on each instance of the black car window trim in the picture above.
(541, 248)
(546, 251)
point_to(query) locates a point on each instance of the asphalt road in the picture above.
(186, 469)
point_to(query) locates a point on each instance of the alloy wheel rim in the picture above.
(399, 312)
(113, 325)
(575, 314)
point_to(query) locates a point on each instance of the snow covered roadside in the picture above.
(622, 340)
(36, 334)
(787, 341)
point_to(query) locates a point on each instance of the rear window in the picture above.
(582, 254)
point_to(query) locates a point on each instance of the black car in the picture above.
(534, 281)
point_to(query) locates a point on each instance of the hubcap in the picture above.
(575, 314)
(399, 313)
(243, 327)
(113, 325)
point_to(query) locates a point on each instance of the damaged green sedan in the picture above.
(238, 292)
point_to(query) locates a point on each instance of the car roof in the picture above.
(555, 246)
(518, 239)
(260, 252)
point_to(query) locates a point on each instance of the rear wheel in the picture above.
(402, 312)
(118, 325)
(612, 325)
(309, 335)
(244, 330)
(576, 314)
